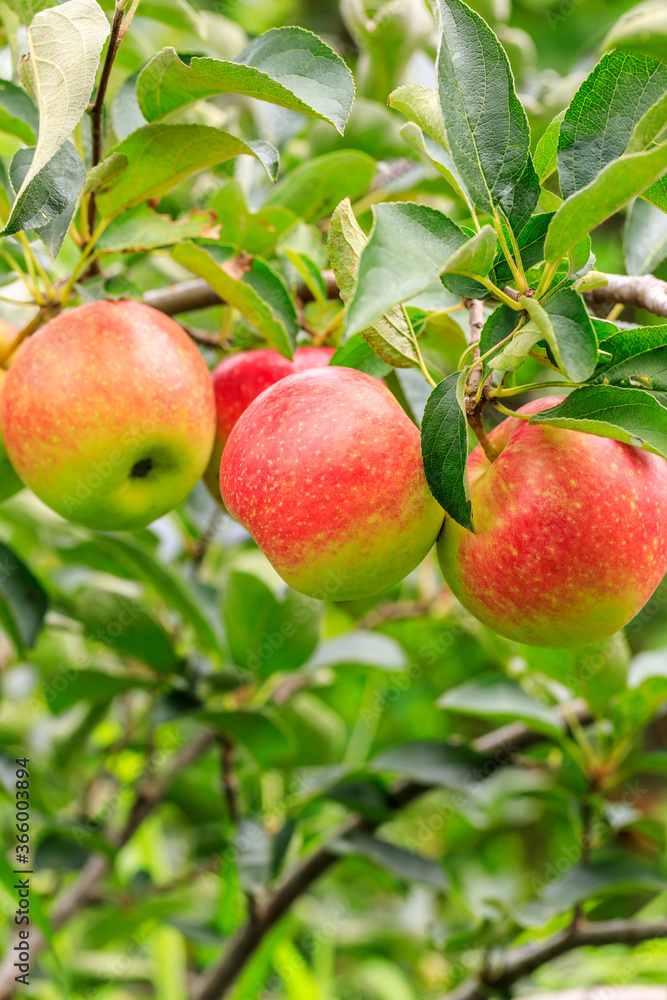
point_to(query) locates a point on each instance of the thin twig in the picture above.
(475, 405)
(521, 962)
(96, 109)
(642, 291)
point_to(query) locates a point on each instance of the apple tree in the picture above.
(333, 500)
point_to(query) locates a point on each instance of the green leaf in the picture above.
(444, 437)
(290, 67)
(421, 106)
(649, 126)
(599, 122)
(644, 238)
(26, 9)
(583, 882)
(313, 189)
(644, 27)
(574, 333)
(177, 595)
(437, 157)
(433, 762)
(125, 626)
(499, 325)
(48, 204)
(404, 864)
(486, 126)
(496, 697)
(360, 649)
(18, 113)
(657, 194)
(629, 415)
(253, 232)
(23, 600)
(389, 336)
(409, 246)
(266, 737)
(531, 247)
(264, 634)
(614, 186)
(638, 359)
(65, 44)
(126, 116)
(141, 228)
(94, 686)
(545, 159)
(156, 158)
(357, 353)
(516, 352)
(248, 285)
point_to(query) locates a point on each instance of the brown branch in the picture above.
(189, 296)
(151, 792)
(521, 962)
(216, 981)
(474, 407)
(643, 291)
(96, 109)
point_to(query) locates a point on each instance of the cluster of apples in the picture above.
(110, 415)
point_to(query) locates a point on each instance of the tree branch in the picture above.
(216, 981)
(188, 296)
(474, 406)
(523, 961)
(96, 109)
(84, 889)
(643, 291)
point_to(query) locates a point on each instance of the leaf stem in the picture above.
(546, 279)
(422, 366)
(510, 413)
(517, 271)
(495, 291)
(518, 389)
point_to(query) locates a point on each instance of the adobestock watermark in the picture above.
(561, 13)
(133, 441)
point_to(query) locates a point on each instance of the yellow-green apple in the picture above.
(324, 470)
(8, 335)
(108, 414)
(571, 534)
(239, 379)
(9, 481)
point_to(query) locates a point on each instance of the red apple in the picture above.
(239, 379)
(324, 470)
(571, 534)
(108, 414)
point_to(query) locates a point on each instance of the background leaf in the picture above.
(290, 67)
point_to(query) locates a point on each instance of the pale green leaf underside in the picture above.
(65, 44)
(289, 67)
